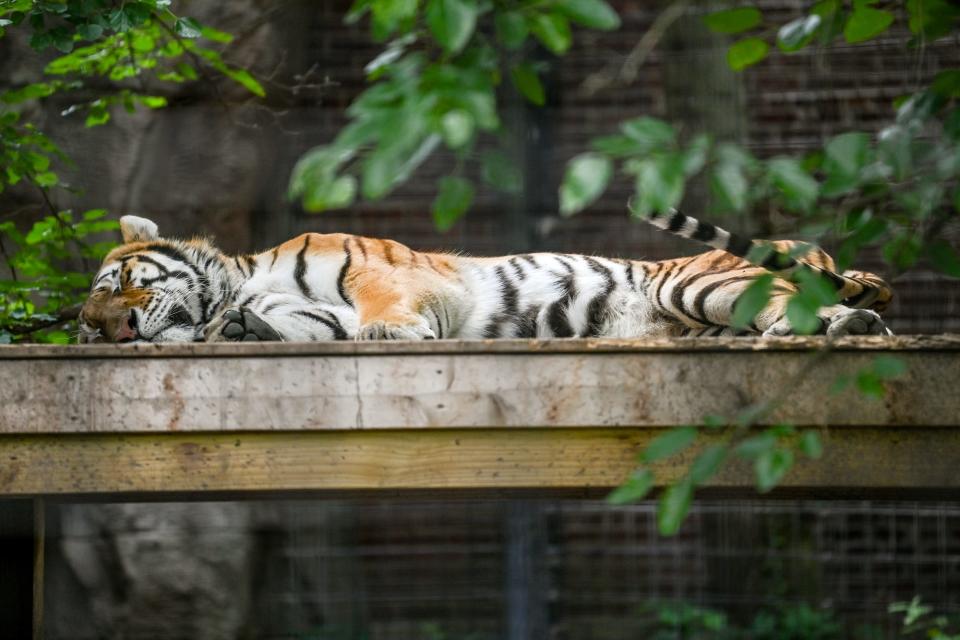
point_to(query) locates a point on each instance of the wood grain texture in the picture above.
(474, 389)
(434, 459)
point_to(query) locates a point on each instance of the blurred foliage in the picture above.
(106, 54)
(435, 85)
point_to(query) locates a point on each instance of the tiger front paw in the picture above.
(239, 324)
(381, 330)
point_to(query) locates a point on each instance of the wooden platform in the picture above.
(199, 419)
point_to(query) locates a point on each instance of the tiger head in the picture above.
(151, 289)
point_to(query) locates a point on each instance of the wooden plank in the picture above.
(529, 389)
(945, 342)
(867, 458)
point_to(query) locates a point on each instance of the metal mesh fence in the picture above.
(448, 569)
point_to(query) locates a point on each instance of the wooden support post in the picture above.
(526, 572)
(16, 568)
(39, 547)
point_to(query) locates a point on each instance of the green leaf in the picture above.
(845, 157)
(810, 444)
(617, 146)
(887, 367)
(729, 186)
(243, 77)
(660, 183)
(815, 292)
(637, 486)
(452, 22)
(944, 257)
(153, 102)
(757, 445)
(707, 463)
(46, 179)
(452, 201)
(322, 195)
(553, 31)
(865, 23)
(770, 467)
(695, 155)
(595, 14)
(733, 20)
(746, 52)
(511, 28)
(649, 133)
(799, 189)
(525, 79)
(673, 507)
(669, 443)
(585, 180)
(752, 301)
(457, 128)
(188, 28)
(501, 172)
(215, 35)
(796, 34)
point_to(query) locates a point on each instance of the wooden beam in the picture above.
(867, 458)
(309, 388)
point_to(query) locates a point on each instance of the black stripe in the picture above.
(343, 273)
(246, 301)
(331, 323)
(251, 263)
(557, 312)
(529, 258)
(387, 252)
(363, 248)
(596, 310)
(777, 261)
(676, 222)
(705, 232)
(527, 325)
(150, 260)
(172, 252)
(739, 246)
(274, 253)
(628, 271)
(439, 324)
(492, 330)
(517, 269)
(236, 261)
(300, 271)
(699, 302)
(508, 291)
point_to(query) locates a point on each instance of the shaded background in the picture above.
(218, 163)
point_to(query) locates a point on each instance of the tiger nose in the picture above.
(127, 331)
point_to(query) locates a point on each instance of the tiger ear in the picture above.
(137, 229)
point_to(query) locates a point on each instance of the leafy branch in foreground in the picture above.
(109, 52)
(771, 450)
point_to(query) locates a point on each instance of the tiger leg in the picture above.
(282, 318)
(710, 301)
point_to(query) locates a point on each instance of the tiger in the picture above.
(336, 286)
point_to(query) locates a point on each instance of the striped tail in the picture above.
(857, 289)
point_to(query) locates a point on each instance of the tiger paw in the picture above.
(239, 324)
(857, 322)
(380, 330)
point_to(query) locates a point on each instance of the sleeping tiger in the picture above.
(343, 287)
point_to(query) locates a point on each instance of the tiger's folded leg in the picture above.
(712, 305)
(282, 320)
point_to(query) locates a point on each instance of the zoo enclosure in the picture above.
(451, 419)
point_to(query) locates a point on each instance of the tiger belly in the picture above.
(556, 296)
